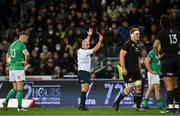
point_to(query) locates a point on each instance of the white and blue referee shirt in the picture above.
(84, 59)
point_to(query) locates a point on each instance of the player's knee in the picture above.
(20, 88)
(169, 87)
(85, 88)
(157, 87)
(127, 90)
(151, 88)
(169, 83)
(138, 89)
(15, 87)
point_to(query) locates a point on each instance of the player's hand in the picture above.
(114, 77)
(25, 63)
(8, 60)
(124, 71)
(100, 37)
(90, 31)
(159, 58)
(7, 65)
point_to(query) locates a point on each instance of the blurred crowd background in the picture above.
(57, 27)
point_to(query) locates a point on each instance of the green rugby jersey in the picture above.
(154, 63)
(16, 55)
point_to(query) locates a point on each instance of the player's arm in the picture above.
(146, 63)
(26, 54)
(122, 55)
(8, 56)
(98, 45)
(160, 57)
(8, 59)
(157, 42)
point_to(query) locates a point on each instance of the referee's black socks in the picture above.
(137, 100)
(83, 99)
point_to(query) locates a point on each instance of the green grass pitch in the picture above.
(62, 111)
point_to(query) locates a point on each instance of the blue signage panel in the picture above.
(67, 92)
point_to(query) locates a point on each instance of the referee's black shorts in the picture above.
(84, 76)
(170, 65)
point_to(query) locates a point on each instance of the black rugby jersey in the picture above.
(132, 56)
(169, 39)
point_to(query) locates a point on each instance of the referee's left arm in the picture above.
(98, 45)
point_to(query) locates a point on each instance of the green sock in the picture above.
(145, 102)
(10, 94)
(159, 103)
(20, 96)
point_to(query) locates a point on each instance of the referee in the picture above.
(84, 66)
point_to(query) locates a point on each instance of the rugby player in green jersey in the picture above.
(17, 58)
(152, 63)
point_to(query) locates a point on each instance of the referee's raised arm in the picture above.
(84, 66)
(98, 45)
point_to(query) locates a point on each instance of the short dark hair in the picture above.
(133, 29)
(23, 33)
(165, 21)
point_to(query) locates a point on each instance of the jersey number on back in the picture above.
(173, 38)
(13, 52)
